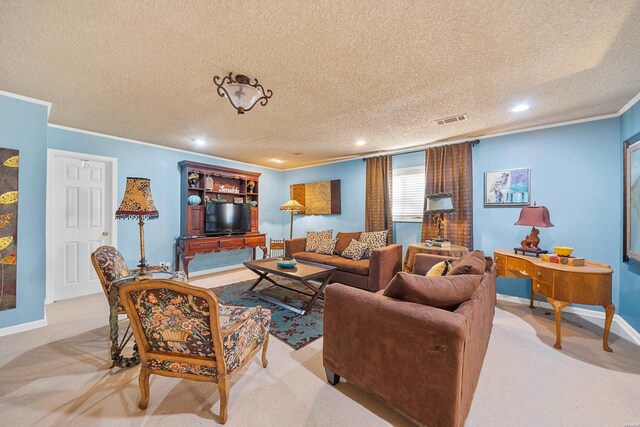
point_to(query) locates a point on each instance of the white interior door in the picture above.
(81, 209)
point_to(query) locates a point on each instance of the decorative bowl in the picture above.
(287, 263)
(563, 250)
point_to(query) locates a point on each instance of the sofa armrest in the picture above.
(410, 355)
(292, 246)
(383, 265)
(424, 262)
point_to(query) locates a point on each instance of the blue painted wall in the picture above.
(629, 306)
(352, 188)
(575, 172)
(23, 126)
(161, 166)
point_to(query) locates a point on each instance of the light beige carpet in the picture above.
(59, 375)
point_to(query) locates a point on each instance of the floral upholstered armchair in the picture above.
(112, 271)
(183, 332)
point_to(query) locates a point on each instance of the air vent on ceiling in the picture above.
(452, 119)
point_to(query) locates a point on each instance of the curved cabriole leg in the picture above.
(223, 388)
(558, 306)
(265, 362)
(609, 311)
(532, 295)
(143, 380)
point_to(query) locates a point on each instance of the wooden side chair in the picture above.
(276, 248)
(183, 332)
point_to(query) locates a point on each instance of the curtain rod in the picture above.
(473, 144)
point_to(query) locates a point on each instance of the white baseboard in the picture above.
(215, 270)
(23, 327)
(619, 324)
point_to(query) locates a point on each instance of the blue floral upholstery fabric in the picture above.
(176, 322)
(239, 342)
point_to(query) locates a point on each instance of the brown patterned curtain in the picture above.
(378, 214)
(449, 170)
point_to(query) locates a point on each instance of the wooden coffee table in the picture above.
(303, 272)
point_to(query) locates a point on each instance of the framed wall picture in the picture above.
(509, 187)
(631, 235)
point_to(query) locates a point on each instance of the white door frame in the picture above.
(51, 153)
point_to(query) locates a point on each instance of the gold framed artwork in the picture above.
(8, 227)
(318, 198)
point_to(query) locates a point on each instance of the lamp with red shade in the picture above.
(534, 216)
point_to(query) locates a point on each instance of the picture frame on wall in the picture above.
(508, 187)
(631, 200)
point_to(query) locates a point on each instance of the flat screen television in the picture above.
(227, 218)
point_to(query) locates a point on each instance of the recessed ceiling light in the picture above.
(277, 160)
(198, 141)
(361, 142)
(520, 107)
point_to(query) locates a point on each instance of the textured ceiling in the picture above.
(340, 71)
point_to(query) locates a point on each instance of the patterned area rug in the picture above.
(294, 329)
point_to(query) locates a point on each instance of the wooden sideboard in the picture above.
(188, 247)
(562, 285)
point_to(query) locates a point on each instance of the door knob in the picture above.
(105, 233)
(537, 287)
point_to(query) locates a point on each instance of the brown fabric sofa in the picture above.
(370, 274)
(422, 360)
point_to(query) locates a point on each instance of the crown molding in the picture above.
(629, 104)
(26, 98)
(134, 141)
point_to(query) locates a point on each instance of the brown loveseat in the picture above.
(425, 361)
(370, 274)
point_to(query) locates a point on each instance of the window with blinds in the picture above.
(408, 193)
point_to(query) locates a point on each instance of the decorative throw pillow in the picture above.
(355, 251)
(374, 240)
(326, 246)
(315, 237)
(439, 269)
(343, 240)
(443, 292)
(471, 263)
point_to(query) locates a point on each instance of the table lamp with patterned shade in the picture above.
(534, 216)
(137, 203)
(294, 207)
(439, 204)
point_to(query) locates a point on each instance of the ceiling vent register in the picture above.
(452, 119)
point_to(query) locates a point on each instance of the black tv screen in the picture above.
(228, 218)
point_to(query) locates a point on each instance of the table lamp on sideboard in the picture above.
(439, 204)
(533, 216)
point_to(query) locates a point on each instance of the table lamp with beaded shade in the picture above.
(137, 203)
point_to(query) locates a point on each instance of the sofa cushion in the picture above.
(471, 263)
(439, 269)
(315, 237)
(326, 246)
(356, 250)
(445, 292)
(374, 239)
(313, 257)
(343, 240)
(360, 267)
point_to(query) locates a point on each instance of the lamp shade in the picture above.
(137, 201)
(242, 95)
(534, 216)
(439, 203)
(292, 205)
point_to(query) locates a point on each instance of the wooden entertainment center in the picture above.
(214, 183)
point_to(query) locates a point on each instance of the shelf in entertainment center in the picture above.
(227, 192)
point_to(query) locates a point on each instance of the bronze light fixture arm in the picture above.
(241, 79)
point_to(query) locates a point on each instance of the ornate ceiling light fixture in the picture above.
(242, 94)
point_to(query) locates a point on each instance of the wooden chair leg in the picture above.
(143, 380)
(223, 388)
(265, 362)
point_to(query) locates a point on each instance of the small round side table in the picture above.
(453, 251)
